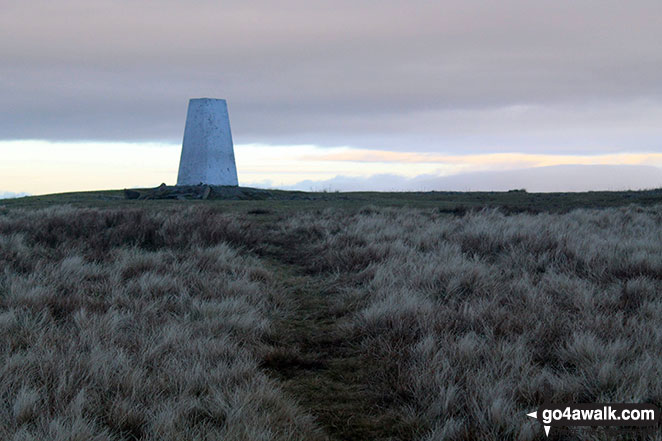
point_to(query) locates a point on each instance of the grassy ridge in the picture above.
(454, 202)
(352, 317)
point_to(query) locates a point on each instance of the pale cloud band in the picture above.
(39, 167)
(488, 161)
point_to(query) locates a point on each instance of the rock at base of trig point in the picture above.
(207, 150)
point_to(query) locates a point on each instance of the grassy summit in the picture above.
(324, 316)
(281, 200)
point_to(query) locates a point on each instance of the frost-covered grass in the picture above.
(132, 323)
(470, 322)
(122, 325)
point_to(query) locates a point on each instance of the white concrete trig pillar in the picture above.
(207, 149)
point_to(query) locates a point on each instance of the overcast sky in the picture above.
(454, 77)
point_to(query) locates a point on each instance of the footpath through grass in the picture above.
(324, 370)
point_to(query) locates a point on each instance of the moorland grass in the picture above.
(468, 323)
(192, 322)
(123, 325)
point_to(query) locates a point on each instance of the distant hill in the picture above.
(560, 178)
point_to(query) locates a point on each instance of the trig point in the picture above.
(207, 150)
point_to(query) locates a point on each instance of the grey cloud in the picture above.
(416, 75)
(561, 178)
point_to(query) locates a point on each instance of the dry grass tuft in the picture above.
(137, 324)
(473, 321)
(126, 325)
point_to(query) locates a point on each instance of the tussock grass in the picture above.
(470, 322)
(182, 324)
(122, 325)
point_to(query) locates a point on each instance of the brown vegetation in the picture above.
(470, 322)
(121, 325)
(134, 324)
